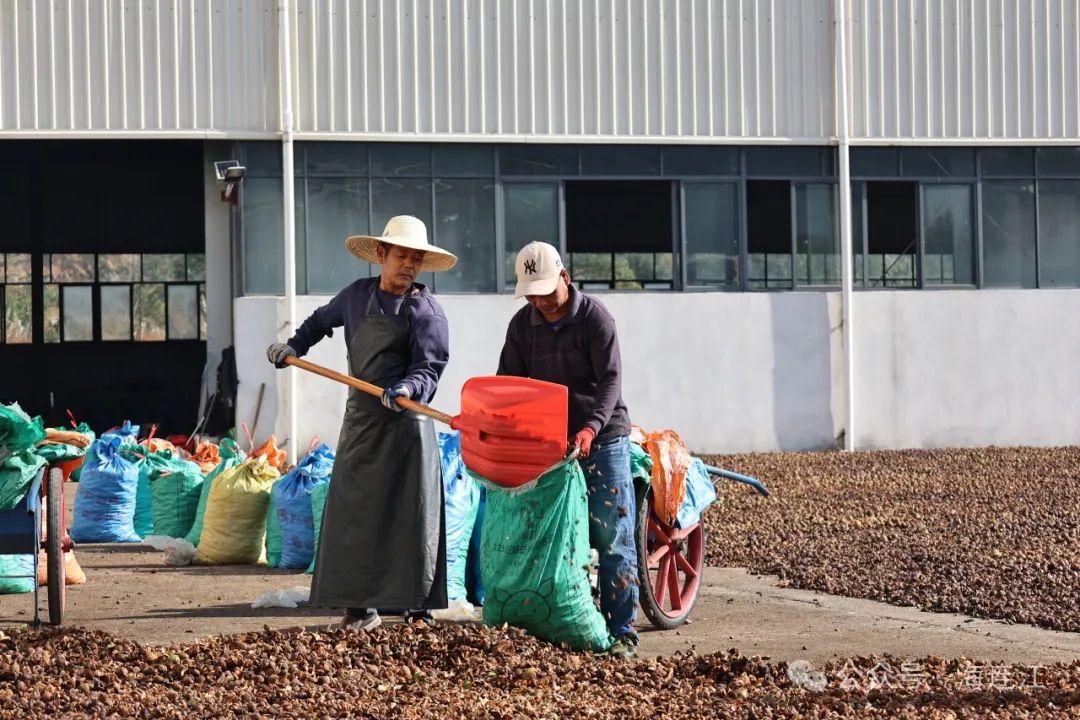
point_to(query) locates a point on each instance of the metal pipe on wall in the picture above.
(288, 188)
(846, 264)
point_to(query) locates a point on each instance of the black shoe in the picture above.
(424, 616)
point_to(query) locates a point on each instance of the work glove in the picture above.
(277, 353)
(390, 396)
(583, 441)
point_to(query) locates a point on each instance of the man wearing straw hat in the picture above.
(382, 543)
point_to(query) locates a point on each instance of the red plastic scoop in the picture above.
(512, 429)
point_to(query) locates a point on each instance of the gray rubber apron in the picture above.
(382, 543)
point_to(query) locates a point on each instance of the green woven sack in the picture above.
(175, 487)
(16, 475)
(534, 559)
(273, 533)
(318, 504)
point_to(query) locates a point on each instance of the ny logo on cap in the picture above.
(530, 267)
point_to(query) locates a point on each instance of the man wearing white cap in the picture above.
(566, 337)
(382, 543)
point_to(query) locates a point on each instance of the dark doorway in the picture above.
(768, 233)
(892, 234)
(106, 262)
(619, 234)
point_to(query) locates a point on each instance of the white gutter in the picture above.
(846, 294)
(288, 186)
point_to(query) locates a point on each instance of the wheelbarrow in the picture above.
(671, 559)
(33, 526)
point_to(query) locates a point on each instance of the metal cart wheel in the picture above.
(670, 564)
(55, 532)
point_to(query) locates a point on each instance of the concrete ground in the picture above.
(131, 593)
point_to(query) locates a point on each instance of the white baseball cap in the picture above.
(538, 267)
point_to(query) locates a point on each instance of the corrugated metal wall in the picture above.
(163, 66)
(624, 70)
(612, 68)
(965, 69)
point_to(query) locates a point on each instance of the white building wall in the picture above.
(964, 70)
(758, 375)
(626, 69)
(761, 371)
(154, 67)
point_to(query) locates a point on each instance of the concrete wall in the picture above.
(724, 387)
(761, 371)
(962, 368)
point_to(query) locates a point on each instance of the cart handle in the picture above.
(752, 482)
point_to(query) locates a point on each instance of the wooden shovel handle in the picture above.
(366, 387)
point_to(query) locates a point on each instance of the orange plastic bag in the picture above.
(270, 451)
(73, 572)
(154, 445)
(671, 461)
(206, 457)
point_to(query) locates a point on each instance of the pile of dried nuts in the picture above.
(993, 533)
(454, 670)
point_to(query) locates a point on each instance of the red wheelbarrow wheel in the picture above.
(55, 531)
(670, 565)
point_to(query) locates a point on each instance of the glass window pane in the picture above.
(1009, 233)
(712, 234)
(697, 160)
(196, 267)
(642, 271)
(538, 160)
(1015, 162)
(149, 312)
(816, 241)
(264, 243)
(336, 158)
(165, 267)
(261, 159)
(789, 161)
(116, 312)
(337, 208)
(858, 191)
(183, 312)
(400, 159)
(1062, 161)
(1059, 233)
(937, 162)
(202, 312)
(594, 267)
(118, 268)
(51, 302)
(465, 225)
(18, 316)
(18, 267)
(464, 160)
(393, 196)
(875, 162)
(78, 313)
(620, 160)
(948, 236)
(531, 212)
(72, 267)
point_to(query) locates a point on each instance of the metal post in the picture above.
(847, 296)
(288, 186)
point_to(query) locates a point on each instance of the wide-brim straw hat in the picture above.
(408, 232)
